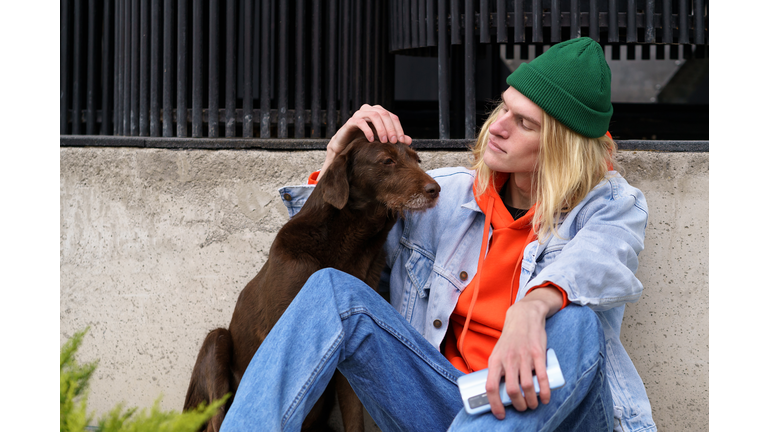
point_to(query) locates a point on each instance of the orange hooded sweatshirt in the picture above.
(484, 302)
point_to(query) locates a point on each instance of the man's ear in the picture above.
(335, 184)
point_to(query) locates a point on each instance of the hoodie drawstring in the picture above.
(486, 231)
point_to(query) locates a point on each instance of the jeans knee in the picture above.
(335, 283)
(578, 323)
(332, 277)
(580, 317)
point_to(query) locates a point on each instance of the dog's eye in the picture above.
(388, 161)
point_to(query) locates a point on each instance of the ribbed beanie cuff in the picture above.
(571, 82)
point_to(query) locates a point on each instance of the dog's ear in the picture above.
(336, 186)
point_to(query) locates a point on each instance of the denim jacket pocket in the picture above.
(419, 268)
(416, 286)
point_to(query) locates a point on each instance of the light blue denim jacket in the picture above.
(594, 263)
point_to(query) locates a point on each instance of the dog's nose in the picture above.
(432, 190)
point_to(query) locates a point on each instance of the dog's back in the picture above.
(343, 225)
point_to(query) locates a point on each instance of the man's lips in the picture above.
(494, 147)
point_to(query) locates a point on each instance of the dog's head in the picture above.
(368, 173)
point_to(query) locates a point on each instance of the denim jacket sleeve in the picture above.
(596, 259)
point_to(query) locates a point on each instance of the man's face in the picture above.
(513, 143)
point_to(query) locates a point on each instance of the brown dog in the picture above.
(343, 225)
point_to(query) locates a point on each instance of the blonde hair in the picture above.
(569, 166)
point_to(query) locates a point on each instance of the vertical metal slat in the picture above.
(144, 70)
(135, 18)
(76, 69)
(469, 70)
(315, 129)
(181, 70)
(613, 22)
(197, 68)
(650, 29)
(430, 16)
(485, 22)
(455, 23)
(127, 68)
(667, 21)
(230, 120)
(119, 59)
(107, 71)
(379, 15)
(414, 19)
(168, 68)
(357, 54)
(538, 28)
(332, 62)
(501, 20)
(90, 109)
(298, 122)
(406, 11)
(699, 17)
(631, 25)
(213, 69)
(344, 90)
(684, 25)
(422, 22)
(266, 65)
(594, 24)
(63, 73)
(442, 71)
(247, 65)
(282, 71)
(575, 19)
(154, 72)
(368, 51)
(395, 25)
(555, 29)
(519, 22)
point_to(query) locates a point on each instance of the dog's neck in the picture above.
(364, 228)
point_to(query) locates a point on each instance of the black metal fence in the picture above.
(297, 69)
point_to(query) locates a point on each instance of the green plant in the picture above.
(74, 395)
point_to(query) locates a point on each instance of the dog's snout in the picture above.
(432, 190)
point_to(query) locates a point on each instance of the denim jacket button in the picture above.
(463, 276)
(287, 197)
(437, 323)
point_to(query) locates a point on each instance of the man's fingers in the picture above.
(390, 130)
(514, 391)
(375, 117)
(492, 385)
(399, 129)
(365, 128)
(526, 383)
(541, 374)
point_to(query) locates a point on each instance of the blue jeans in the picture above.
(337, 321)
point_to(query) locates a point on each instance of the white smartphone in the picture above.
(475, 398)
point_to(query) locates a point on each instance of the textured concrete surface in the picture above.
(157, 244)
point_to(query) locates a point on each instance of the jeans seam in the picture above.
(404, 340)
(307, 384)
(594, 365)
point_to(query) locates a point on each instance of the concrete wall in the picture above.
(157, 244)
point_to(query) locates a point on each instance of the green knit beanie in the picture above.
(571, 82)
